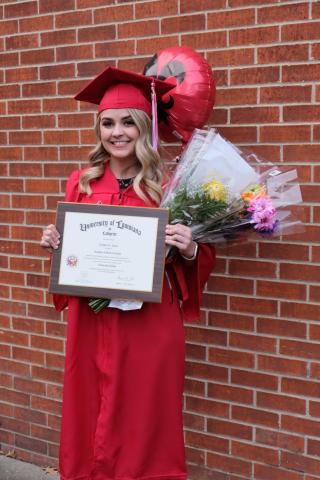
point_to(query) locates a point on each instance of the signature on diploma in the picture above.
(125, 278)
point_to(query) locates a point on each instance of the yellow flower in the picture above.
(215, 190)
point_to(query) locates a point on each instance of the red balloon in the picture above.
(188, 105)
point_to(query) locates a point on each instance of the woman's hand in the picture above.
(50, 237)
(180, 236)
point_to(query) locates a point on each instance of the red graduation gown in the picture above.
(124, 371)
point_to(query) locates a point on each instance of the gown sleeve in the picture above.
(191, 279)
(72, 193)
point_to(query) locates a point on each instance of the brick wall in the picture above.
(252, 407)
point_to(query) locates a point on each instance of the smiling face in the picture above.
(119, 134)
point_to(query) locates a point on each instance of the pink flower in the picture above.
(263, 213)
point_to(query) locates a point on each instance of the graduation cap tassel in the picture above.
(154, 117)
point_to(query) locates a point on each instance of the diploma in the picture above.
(109, 251)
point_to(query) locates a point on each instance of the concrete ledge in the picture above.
(12, 469)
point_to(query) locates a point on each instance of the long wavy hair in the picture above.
(148, 182)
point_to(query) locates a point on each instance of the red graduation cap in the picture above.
(116, 88)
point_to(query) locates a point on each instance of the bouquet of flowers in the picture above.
(223, 194)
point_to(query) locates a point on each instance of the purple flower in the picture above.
(263, 213)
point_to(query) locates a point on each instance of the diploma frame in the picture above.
(68, 213)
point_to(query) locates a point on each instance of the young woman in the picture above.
(124, 372)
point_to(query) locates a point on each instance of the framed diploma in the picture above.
(109, 251)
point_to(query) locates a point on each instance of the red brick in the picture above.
(251, 305)
(58, 37)
(31, 201)
(21, 9)
(37, 56)
(281, 290)
(24, 106)
(283, 13)
(309, 273)
(11, 247)
(74, 18)
(301, 387)
(11, 185)
(281, 402)
(286, 134)
(252, 342)
(230, 393)
(265, 472)
(113, 14)
(187, 6)
(203, 39)
(254, 379)
(27, 325)
(205, 406)
(286, 251)
(252, 268)
(38, 121)
(202, 335)
(231, 321)
(16, 368)
(48, 6)
(29, 386)
(294, 443)
(39, 89)
(255, 416)
(300, 32)
(118, 49)
(10, 91)
(283, 54)
(8, 27)
(25, 138)
(210, 372)
(86, 69)
(255, 115)
(231, 357)
(224, 58)
(25, 264)
(305, 311)
(282, 328)
(9, 60)
(301, 73)
(314, 409)
(252, 452)
(18, 42)
(255, 75)
(146, 46)
(286, 94)
(300, 462)
(47, 374)
(183, 24)
(36, 24)
(28, 355)
(57, 71)
(313, 447)
(32, 444)
(74, 53)
(193, 422)
(254, 36)
(231, 18)
(61, 137)
(310, 113)
(229, 429)
(209, 442)
(26, 233)
(91, 34)
(195, 352)
(23, 74)
(10, 123)
(41, 153)
(227, 464)
(316, 55)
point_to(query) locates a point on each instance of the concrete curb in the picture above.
(12, 469)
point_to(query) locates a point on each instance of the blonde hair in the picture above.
(149, 180)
